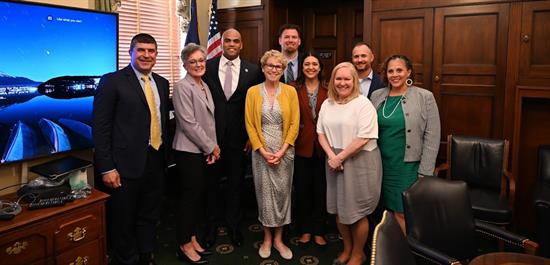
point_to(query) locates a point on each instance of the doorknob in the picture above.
(436, 78)
(525, 38)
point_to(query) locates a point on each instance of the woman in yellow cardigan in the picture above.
(272, 118)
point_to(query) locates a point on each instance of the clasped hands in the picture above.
(335, 163)
(272, 159)
(214, 156)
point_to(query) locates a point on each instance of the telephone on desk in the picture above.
(42, 188)
(54, 178)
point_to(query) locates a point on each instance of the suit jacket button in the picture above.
(408, 146)
(407, 114)
(409, 130)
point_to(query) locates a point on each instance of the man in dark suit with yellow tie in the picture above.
(228, 78)
(130, 137)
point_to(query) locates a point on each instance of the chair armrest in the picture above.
(511, 188)
(439, 168)
(506, 236)
(430, 254)
(541, 195)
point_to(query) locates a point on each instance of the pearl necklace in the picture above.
(396, 105)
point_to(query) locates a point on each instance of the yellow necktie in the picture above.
(155, 126)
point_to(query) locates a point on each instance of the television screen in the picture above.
(52, 60)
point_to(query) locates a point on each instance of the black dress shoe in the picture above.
(181, 256)
(236, 237)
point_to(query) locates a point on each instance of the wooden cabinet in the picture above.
(535, 42)
(72, 234)
(459, 52)
(529, 87)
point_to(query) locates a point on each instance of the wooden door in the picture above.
(332, 30)
(469, 66)
(532, 107)
(249, 22)
(406, 32)
(535, 42)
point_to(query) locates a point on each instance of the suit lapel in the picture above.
(243, 76)
(304, 100)
(198, 93)
(321, 96)
(134, 83)
(162, 95)
(214, 72)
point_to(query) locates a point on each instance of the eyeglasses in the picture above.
(277, 67)
(196, 62)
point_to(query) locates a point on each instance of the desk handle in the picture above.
(77, 234)
(80, 261)
(17, 248)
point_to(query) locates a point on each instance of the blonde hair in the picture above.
(332, 94)
(275, 54)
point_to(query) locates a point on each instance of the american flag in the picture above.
(214, 47)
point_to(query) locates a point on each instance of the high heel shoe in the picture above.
(320, 241)
(205, 253)
(181, 256)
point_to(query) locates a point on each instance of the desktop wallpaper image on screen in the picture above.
(50, 70)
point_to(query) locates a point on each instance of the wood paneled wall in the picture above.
(250, 22)
(488, 65)
(486, 61)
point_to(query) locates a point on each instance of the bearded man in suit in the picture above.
(228, 78)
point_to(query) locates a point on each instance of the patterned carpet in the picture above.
(226, 254)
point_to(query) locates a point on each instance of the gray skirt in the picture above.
(354, 192)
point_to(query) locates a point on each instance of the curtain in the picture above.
(107, 5)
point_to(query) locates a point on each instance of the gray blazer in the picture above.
(194, 111)
(423, 130)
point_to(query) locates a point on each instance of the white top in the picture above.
(235, 68)
(342, 123)
(364, 84)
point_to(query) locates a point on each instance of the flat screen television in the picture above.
(52, 59)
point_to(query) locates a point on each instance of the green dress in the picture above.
(398, 175)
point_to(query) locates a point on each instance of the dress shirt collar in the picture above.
(140, 74)
(236, 62)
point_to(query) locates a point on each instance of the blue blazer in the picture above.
(375, 84)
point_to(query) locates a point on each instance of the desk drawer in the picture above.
(78, 228)
(87, 254)
(24, 247)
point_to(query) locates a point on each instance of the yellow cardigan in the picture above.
(288, 101)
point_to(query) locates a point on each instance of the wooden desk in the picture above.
(509, 258)
(71, 234)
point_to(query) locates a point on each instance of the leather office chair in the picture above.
(542, 200)
(440, 223)
(389, 245)
(482, 163)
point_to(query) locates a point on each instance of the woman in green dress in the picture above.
(409, 132)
